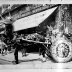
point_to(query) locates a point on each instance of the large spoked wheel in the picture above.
(61, 51)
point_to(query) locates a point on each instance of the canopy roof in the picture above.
(33, 20)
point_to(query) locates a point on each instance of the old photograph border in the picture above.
(34, 2)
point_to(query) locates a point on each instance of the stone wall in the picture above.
(64, 18)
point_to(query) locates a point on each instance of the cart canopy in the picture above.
(32, 20)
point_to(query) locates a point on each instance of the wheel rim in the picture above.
(62, 50)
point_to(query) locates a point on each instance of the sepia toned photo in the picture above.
(36, 36)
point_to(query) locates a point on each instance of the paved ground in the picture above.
(31, 61)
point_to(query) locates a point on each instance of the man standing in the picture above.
(16, 46)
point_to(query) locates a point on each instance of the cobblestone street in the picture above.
(31, 61)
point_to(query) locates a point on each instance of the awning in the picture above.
(32, 20)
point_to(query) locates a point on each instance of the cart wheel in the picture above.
(61, 51)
